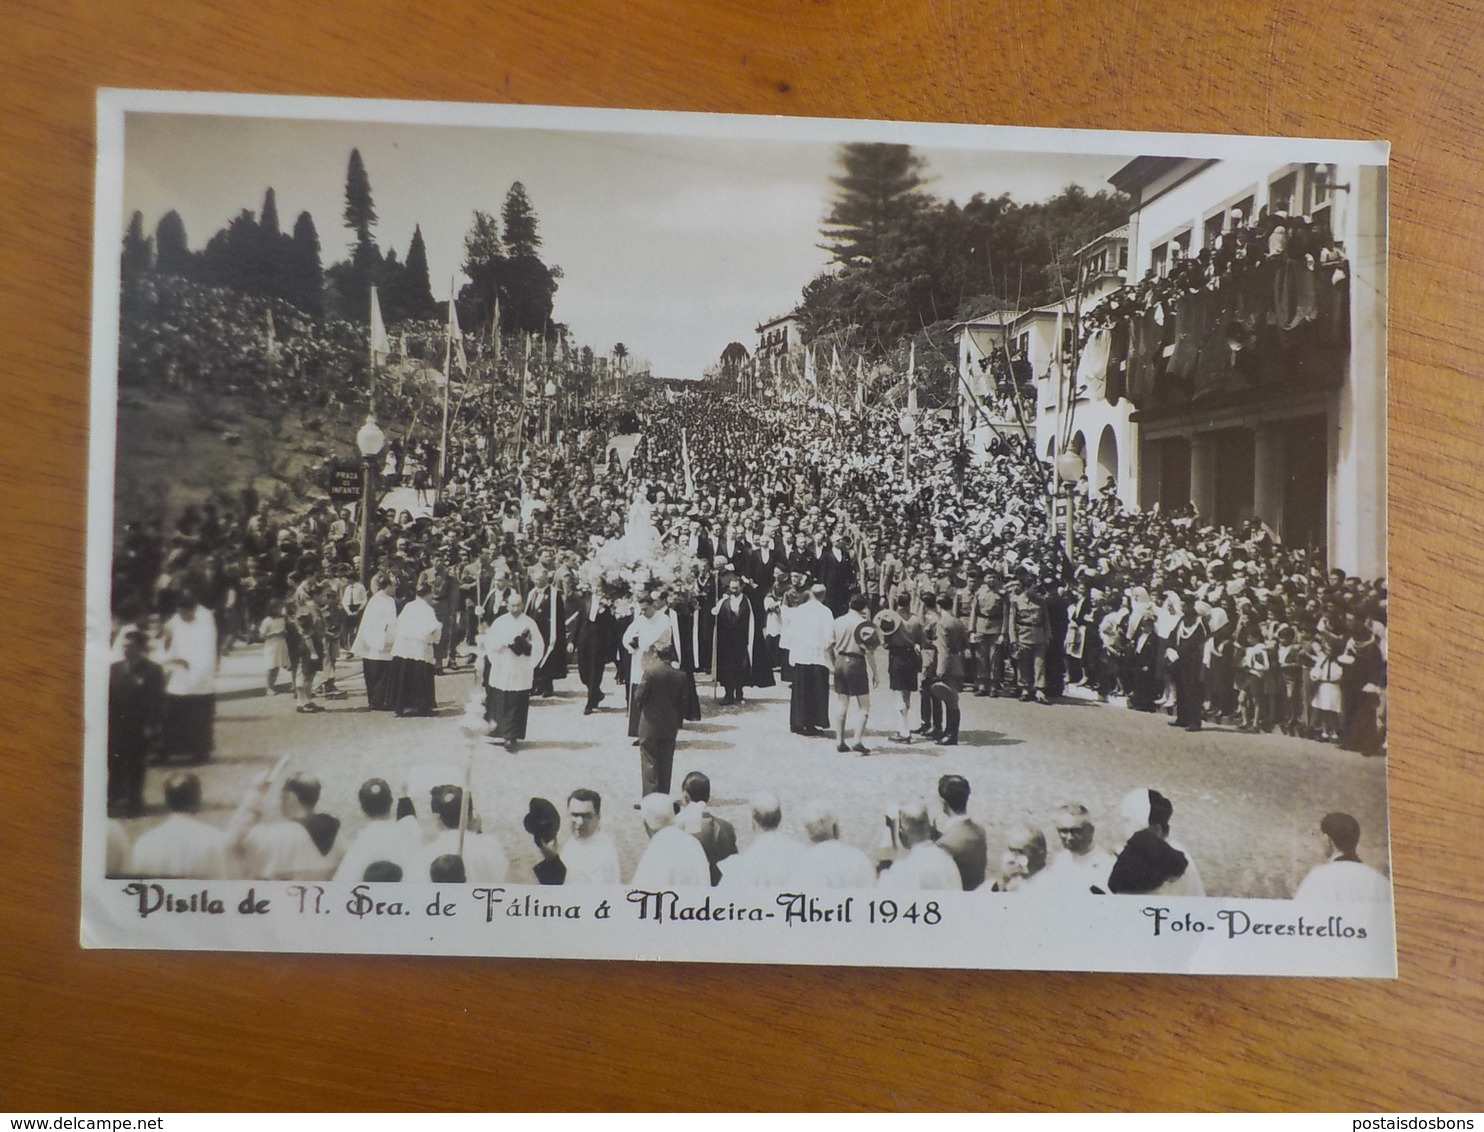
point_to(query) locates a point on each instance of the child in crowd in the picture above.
(275, 645)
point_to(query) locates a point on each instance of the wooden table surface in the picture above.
(119, 1031)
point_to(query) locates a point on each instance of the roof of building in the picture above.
(1142, 171)
(789, 317)
(1119, 233)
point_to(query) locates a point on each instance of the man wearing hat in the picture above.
(852, 655)
(136, 701)
(987, 634)
(1030, 629)
(902, 634)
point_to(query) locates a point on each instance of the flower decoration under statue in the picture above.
(622, 570)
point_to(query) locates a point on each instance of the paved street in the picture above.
(1246, 806)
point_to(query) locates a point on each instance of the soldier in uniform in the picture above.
(987, 636)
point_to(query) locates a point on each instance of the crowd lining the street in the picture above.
(823, 538)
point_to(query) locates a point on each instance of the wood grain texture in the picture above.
(118, 1031)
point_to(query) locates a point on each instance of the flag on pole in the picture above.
(381, 345)
(860, 384)
(1061, 402)
(456, 332)
(834, 363)
(911, 378)
(495, 329)
(272, 337)
(810, 377)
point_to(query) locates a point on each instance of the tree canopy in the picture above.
(908, 265)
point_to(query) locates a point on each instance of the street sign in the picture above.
(345, 482)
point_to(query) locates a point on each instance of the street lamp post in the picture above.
(370, 440)
(1069, 469)
(907, 422)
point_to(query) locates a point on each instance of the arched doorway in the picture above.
(1106, 469)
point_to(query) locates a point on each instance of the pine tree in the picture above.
(878, 196)
(417, 292)
(360, 211)
(173, 255)
(519, 219)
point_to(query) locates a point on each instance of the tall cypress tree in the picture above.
(137, 255)
(305, 272)
(173, 254)
(268, 224)
(417, 294)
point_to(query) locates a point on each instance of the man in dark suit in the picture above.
(136, 702)
(959, 835)
(951, 645)
(660, 702)
(595, 641)
(838, 575)
(804, 559)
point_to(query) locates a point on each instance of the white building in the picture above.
(1293, 431)
(1300, 441)
(1042, 338)
(777, 337)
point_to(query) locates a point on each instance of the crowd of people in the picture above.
(925, 846)
(833, 554)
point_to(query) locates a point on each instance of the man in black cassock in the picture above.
(734, 640)
(546, 607)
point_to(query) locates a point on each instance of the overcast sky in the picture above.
(674, 245)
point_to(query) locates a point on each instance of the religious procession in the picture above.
(1060, 545)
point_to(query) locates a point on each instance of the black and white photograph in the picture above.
(540, 532)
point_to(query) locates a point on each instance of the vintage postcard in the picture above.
(522, 531)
